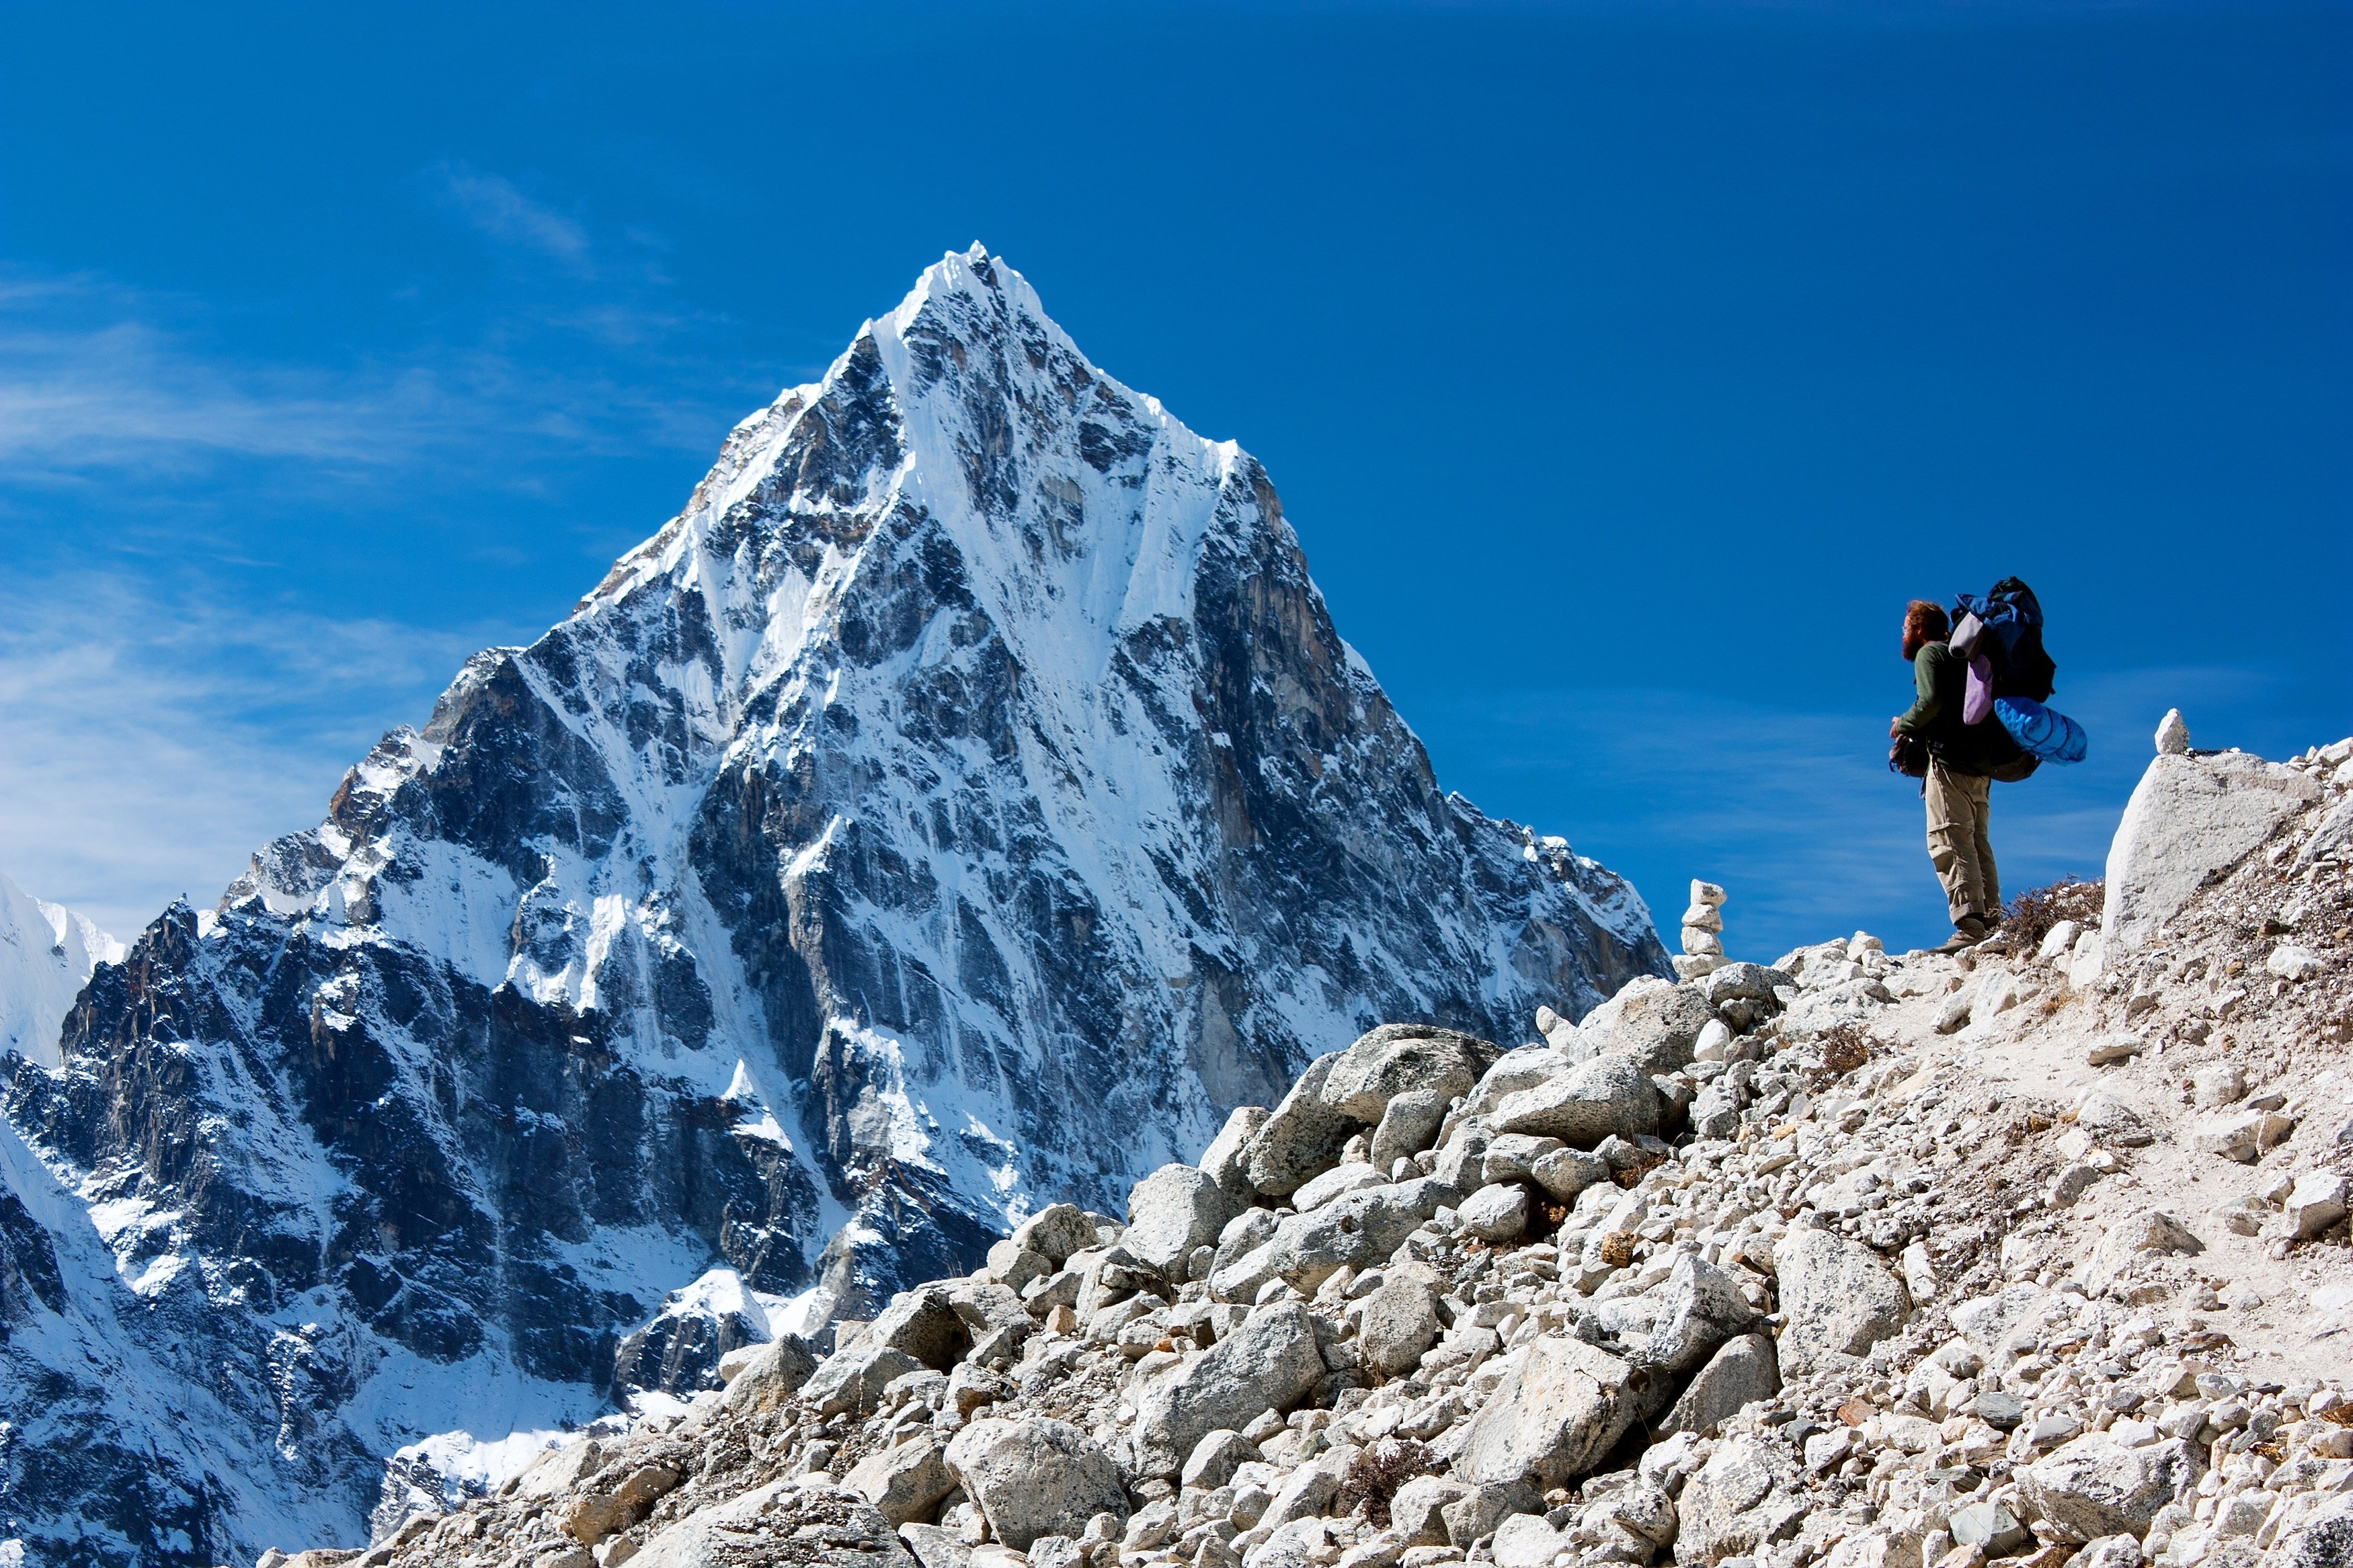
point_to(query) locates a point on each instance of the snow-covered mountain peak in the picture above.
(961, 805)
(47, 954)
(1070, 497)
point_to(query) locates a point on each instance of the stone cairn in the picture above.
(1703, 932)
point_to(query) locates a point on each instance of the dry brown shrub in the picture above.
(2029, 916)
(1377, 1472)
(1844, 1049)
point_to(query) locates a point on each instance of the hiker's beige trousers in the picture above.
(1959, 808)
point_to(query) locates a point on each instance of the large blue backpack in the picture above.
(2008, 638)
(2012, 641)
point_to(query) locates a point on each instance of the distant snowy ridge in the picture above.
(46, 953)
(961, 806)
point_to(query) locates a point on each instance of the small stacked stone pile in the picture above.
(1703, 932)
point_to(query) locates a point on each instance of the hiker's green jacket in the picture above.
(1941, 679)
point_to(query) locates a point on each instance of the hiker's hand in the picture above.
(1895, 726)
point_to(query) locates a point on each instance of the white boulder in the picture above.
(2190, 819)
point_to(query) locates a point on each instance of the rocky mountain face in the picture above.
(959, 807)
(2034, 1254)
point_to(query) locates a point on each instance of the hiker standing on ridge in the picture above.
(1958, 784)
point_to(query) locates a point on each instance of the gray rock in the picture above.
(2245, 1137)
(2322, 1539)
(1034, 1478)
(2093, 1487)
(1525, 1541)
(1609, 1094)
(1837, 1296)
(1171, 1212)
(1015, 1266)
(853, 1380)
(1565, 1405)
(2070, 1183)
(935, 1547)
(1244, 1233)
(855, 1532)
(1566, 1172)
(1409, 1126)
(1744, 983)
(1643, 1510)
(1417, 1512)
(1106, 1277)
(1649, 1022)
(2317, 1202)
(1059, 1289)
(1699, 1309)
(996, 1321)
(1397, 1058)
(1055, 1232)
(1744, 1371)
(1149, 1526)
(2218, 1083)
(1499, 1213)
(1266, 1365)
(1987, 1524)
(1215, 1459)
(2000, 1409)
(1302, 1137)
(1400, 1323)
(1514, 1071)
(1720, 1511)
(1307, 1494)
(777, 1373)
(1227, 1159)
(1335, 1183)
(560, 1469)
(622, 1495)
(1985, 1320)
(1476, 1514)
(922, 1324)
(2147, 1234)
(1352, 1231)
(1512, 1156)
(1461, 1160)
(2190, 819)
(905, 1483)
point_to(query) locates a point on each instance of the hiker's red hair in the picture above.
(1925, 622)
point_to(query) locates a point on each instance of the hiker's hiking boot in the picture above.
(1966, 933)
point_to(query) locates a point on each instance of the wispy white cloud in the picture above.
(498, 208)
(98, 378)
(155, 727)
(88, 379)
(150, 742)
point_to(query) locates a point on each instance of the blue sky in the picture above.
(1623, 368)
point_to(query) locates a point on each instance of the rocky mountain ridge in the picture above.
(959, 807)
(2035, 1253)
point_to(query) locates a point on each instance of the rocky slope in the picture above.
(2036, 1254)
(960, 806)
